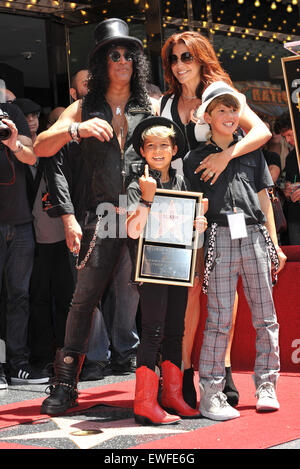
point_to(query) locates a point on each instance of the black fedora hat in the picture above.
(154, 121)
(113, 30)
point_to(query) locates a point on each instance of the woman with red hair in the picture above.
(190, 65)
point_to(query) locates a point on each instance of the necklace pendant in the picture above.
(118, 111)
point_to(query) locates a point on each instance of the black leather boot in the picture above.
(230, 389)
(63, 391)
(188, 388)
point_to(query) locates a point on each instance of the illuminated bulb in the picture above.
(241, 2)
(289, 8)
(73, 5)
(257, 3)
(273, 6)
(295, 2)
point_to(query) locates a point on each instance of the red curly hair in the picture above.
(203, 53)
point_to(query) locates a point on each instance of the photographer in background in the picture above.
(16, 239)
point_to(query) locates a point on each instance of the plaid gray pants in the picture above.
(249, 258)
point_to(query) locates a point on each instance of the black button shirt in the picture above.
(237, 186)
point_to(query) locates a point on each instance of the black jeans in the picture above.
(51, 291)
(162, 324)
(92, 281)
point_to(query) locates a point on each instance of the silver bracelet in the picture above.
(20, 147)
(73, 131)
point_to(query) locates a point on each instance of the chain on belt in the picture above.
(91, 247)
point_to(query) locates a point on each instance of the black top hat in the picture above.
(158, 121)
(113, 31)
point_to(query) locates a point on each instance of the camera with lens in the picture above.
(5, 131)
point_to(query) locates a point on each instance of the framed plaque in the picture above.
(167, 248)
(291, 73)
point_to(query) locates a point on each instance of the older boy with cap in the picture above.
(241, 240)
(158, 139)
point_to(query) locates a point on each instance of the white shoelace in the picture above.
(221, 398)
(265, 390)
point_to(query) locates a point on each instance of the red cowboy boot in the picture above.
(171, 396)
(146, 409)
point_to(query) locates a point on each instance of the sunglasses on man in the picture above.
(115, 56)
(185, 58)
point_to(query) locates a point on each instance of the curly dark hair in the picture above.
(282, 123)
(99, 81)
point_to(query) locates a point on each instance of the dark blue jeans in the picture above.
(16, 260)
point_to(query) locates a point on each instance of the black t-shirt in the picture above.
(237, 186)
(292, 175)
(14, 205)
(272, 158)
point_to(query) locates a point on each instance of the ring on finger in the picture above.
(211, 174)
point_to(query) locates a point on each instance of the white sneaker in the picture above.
(266, 398)
(216, 407)
(3, 382)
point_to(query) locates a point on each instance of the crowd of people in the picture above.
(68, 247)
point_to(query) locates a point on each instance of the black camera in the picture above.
(5, 131)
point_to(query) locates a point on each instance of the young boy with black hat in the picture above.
(241, 240)
(158, 139)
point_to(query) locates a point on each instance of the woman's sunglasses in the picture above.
(185, 58)
(115, 56)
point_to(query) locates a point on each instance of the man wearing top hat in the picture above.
(102, 123)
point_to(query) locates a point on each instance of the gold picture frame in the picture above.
(291, 73)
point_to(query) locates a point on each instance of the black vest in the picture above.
(108, 167)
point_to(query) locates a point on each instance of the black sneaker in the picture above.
(124, 368)
(93, 370)
(25, 374)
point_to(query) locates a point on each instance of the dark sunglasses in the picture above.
(185, 58)
(115, 56)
